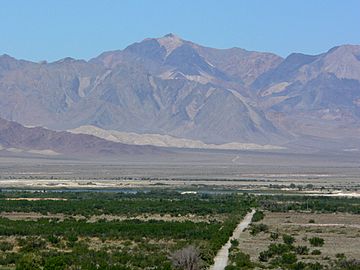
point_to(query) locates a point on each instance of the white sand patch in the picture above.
(47, 152)
(166, 140)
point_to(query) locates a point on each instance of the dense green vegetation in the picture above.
(126, 229)
(173, 222)
(281, 203)
(126, 243)
(126, 204)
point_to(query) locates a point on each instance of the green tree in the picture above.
(243, 261)
(29, 261)
(288, 258)
(55, 263)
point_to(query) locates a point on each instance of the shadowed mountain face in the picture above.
(37, 140)
(175, 87)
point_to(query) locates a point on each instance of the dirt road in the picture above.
(221, 259)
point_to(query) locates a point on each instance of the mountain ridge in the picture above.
(170, 86)
(37, 140)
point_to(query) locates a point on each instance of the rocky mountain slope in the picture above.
(315, 95)
(169, 86)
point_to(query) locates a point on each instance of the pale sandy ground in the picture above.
(325, 225)
(222, 257)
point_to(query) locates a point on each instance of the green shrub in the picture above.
(9, 258)
(302, 250)
(340, 256)
(32, 244)
(72, 238)
(316, 252)
(278, 249)
(5, 246)
(288, 258)
(259, 215)
(311, 221)
(351, 264)
(316, 241)
(274, 236)
(29, 261)
(231, 267)
(234, 242)
(264, 256)
(288, 239)
(299, 266)
(314, 266)
(55, 263)
(242, 260)
(53, 239)
(258, 228)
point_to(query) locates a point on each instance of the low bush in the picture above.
(264, 256)
(311, 221)
(288, 258)
(302, 250)
(316, 252)
(242, 261)
(258, 228)
(288, 239)
(53, 239)
(259, 215)
(5, 246)
(32, 244)
(274, 236)
(278, 249)
(316, 241)
(351, 264)
(314, 266)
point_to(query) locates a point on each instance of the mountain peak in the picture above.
(343, 61)
(170, 42)
(8, 62)
(66, 60)
(171, 35)
(346, 48)
(7, 57)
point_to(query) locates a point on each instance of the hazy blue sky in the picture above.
(49, 29)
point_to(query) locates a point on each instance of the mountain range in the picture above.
(172, 87)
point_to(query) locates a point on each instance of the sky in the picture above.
(53, 29)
